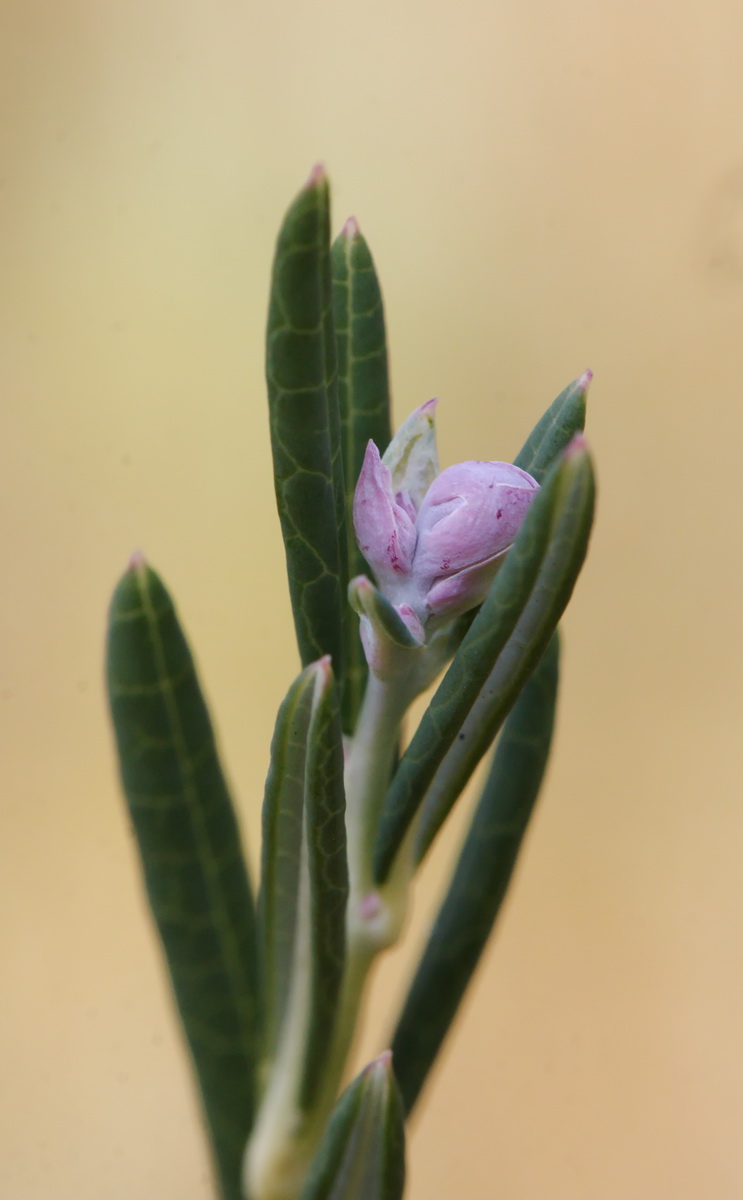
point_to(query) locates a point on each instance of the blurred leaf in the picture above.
(189, 843)
(554, 586)
(555, 429)
(283, 809)
(364, 404)
(305, 424)
(483, 643)
(325, 841)
(480, 879)
(362, 1156)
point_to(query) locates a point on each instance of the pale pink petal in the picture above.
(385, 533)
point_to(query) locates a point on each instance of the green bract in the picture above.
(269, 994)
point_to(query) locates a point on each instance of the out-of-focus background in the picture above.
(545, 188)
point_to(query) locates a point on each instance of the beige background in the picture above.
(546, 187)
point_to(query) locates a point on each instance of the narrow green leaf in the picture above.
(555, 429)
(480, 879)
(283, 809)
(305, 424)
(325, 841)
(468, 673)
(306, 892)
(364, 405)
(188, 839)
(362, 1156)
(528, 642)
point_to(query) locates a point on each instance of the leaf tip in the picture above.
(380, 1067)
(137, 562)
(317, 176)
(585, 380)
(322, 670)
(359, 588)
(576, 446)
(351, 229)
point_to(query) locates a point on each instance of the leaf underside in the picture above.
(283, 814)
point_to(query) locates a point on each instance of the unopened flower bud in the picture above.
(469, 518)
(435, 541)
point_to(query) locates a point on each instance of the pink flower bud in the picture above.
(469, 518)
(435, 542)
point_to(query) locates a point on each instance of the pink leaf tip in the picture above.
(316, 176)
(351, 228)
(577, 445)
(585, 380)
(380, 1065)
(136, 561)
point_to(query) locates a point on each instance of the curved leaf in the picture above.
(528, 642)
(555, 429)
(283, 814)
(480, 880)
(312, 874)
(487, 636)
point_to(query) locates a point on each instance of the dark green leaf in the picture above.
(362, 1156)
(554, 431)
(468, 673)
(189, 843)
(325, 838)
(528, 642)
(283, 809)
(305, 424)
(480, 879)
(364, 403)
